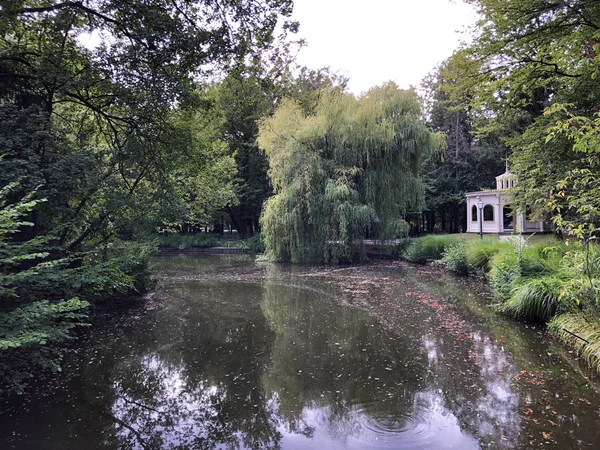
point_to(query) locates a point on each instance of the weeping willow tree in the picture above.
(352, 166)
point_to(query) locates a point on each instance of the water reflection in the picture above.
(228, 360)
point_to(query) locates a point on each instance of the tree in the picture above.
(469, 163)
(113, 137)
(529, 57)
(106, 141)
(248, 95)
(351, 166)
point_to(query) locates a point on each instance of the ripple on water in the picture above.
(428, 425)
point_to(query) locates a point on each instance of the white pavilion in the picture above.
(489, 212)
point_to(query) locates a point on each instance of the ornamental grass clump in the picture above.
(428, 248)
(536, 299)
(580, 332)
(479, 252)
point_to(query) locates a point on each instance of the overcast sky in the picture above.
(373, 41)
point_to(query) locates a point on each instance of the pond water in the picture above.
(229, 353)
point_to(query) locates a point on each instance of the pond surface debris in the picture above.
(231, 353)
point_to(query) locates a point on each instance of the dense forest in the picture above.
(119, 119)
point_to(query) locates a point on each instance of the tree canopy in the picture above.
(532, 76)
(351, 166)
(109, 127)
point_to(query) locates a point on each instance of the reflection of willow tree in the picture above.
(329, 357)
(189, 375)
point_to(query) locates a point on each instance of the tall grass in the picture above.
(580, 332)
(535, 299)
(428, 248)
(182, 241)
(480, 252)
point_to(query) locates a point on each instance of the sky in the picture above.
(373, 41)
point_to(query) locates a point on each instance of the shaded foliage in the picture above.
(352, 166)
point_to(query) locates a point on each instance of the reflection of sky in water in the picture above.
(430, 426)
(175, 416)
(180, 418)
(497, 406)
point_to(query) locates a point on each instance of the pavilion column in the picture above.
(498, 218)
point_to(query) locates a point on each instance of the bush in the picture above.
(427, 248)
(479, 252)
(535, 299)
(182, 241)
(504, 272)
(254, 244)
(455, 259)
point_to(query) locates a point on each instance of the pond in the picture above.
(231, 353)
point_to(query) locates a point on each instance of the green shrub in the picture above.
(535, 298)
(479, 252)
(255, 244)
(427, 248)
(400, 248)
(581, 333)
(454, 258)
(182, 241)
(504, 272)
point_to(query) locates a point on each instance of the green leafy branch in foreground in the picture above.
(27, 322)
(46, 290)
(575, 200)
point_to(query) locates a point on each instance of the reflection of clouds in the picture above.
(430, 425)
(497, 406)
(174, 417)
(432, 350)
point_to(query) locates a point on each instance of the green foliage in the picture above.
(247, 95)
(351, 166)
(504, 272)
(182, 241)
(480, 252)
(45, 291)
(454, 258)
(534, 299)
(531, 76)
(574, 200)
(470, 161)
(581, 333)
(27, 321)
(428, 248)
(255, 244)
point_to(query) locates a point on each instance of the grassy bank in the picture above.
(202, 240)
(540, 279)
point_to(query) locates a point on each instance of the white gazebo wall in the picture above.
(498, 200)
